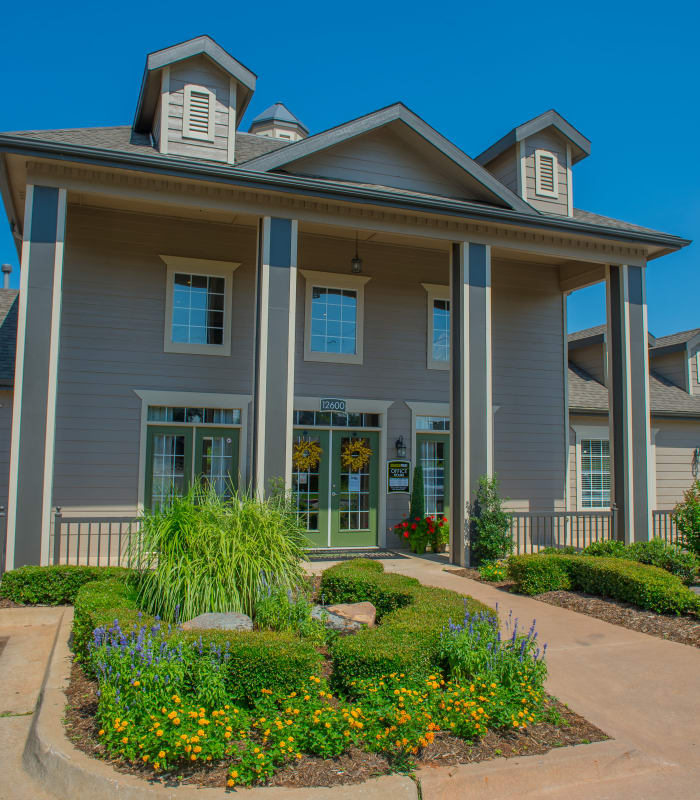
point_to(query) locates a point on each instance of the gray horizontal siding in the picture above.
(672, 366)
(505, 169)
(675, 441)
(546, 140)
(591, 359)
(112, 328)
(5, 439)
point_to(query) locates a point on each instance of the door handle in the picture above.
(332, 494)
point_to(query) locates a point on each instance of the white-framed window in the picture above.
(198, 300)
(198, 113)
(594, 473)
(546, 177)
(334, 317)
(438, 345)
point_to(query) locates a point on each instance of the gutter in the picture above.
(236, 176)
(598, 412)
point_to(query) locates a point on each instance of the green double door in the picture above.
(433, 454)
(176, 456)
(336, 502)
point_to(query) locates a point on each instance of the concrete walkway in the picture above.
(642, 691)
(27, 637)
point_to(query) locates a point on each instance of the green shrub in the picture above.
(608, 547)
(493, 570)
(412, 618)
(536, 574)
(666, 556)
(53, 586)
(686, 515)
(209, 554)
(491, 537)
(289, 613)
(642, 585)
(417, 504)
(563, 550)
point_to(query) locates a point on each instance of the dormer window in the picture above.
(198, 113)
(546, 179)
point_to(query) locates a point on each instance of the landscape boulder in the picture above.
(345, 617)
(220, 621)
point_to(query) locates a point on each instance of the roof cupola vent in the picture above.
(278, 122)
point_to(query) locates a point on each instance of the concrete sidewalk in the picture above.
(29, 636)
(641, 690)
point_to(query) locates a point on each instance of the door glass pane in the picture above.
(305, 490)
(215, 468)
(354, 492)
(168, 468)
(432, 459)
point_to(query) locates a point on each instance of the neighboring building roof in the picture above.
(8, 335)
(278, 112)
(121, 138)
(581, 147)
(588, 394)
(674, 341)
(596, 334)
(201, 45)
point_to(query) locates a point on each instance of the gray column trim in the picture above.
(36, 374)
(471, 401)
(628, 387)
(275, 350)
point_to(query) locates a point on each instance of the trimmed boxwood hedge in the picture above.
(642, 585)
(53, 586)
(412, 617)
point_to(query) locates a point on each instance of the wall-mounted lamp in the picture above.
(356, 263)
(400, 448)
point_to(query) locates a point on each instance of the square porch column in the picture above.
(628, 388)
(276, 292)
(471, 408)
(36, 374)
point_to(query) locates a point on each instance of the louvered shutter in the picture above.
(198, 117)
(546, 174)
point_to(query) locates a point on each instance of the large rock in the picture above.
(334, 621)
(358, 612)
(220, 621)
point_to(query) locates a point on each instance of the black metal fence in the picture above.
(534, 530)
(103, 542)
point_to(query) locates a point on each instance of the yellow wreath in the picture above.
(306, 455)
(355, 454)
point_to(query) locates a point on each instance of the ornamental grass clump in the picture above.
(204, 553)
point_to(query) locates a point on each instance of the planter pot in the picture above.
(439, 548)
(418, 548)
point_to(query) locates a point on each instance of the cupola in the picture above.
(278, 122)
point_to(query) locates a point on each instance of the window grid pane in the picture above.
(198, 309)
(216, 464)
(441, 330)
(305, 492)
(336, 419)
(432, 459)
(168, 468)
(428, 423)
(195, 416)
(333, 320)
(595, 473)
(354, 495)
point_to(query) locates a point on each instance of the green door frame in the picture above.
(319, 538)
(233, 434)
(434, 436)
(354, 538)
(166, 430)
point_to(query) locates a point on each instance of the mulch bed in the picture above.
(5, 602)
(684, 629)
(564, 728)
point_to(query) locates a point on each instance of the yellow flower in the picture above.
(234, 773)
(161, 754)
(102, 733)
(137, 683)
(145, 758)
(125, 739)
(230, 783)
(159, 733)
(176, 721)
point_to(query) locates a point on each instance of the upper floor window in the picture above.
(438, 326)
(198, 113)
(334, 317)
(595, 473)
(546, 177)
(198, 306)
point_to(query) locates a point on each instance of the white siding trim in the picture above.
(50, 435)
(569, 184)
(150, 397)
(231, 150)
(335, 280)
(18, 384)
(188, 131)
(565, 367)
(164, 109)
(198, 266)
(546, 155)
(291, 353)
(263, 277)
(687, 374)
(434, 292)
(522, 170)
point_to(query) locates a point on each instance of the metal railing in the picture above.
(534, 530)
(102, 542)
(663, 526)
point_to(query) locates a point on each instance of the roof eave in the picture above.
(167, 165)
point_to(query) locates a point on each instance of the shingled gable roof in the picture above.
(675, 341)
(595, 335)
(397, 113)
(200, 45)
(580, 146)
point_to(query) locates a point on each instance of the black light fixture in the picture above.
(400, 448)
(356, 261)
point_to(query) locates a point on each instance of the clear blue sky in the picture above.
(625, 74)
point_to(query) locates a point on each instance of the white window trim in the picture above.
(192, 399)
(198, 266)
(435, 292)
(539, 154)
(334, 280)
(187, 133)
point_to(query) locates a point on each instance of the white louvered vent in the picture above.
(546, 182)
(198, 113)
